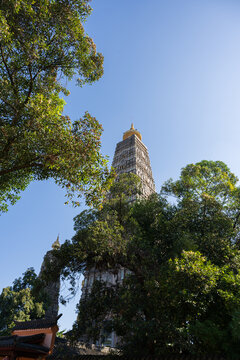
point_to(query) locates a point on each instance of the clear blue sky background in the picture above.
(173, 68)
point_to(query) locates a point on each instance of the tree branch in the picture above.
(7, 69)
(30, 86)
(8, 103)
(20, 167)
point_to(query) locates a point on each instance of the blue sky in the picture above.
(173, 69)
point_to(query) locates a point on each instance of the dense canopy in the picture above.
(182, 294)
(43, 43)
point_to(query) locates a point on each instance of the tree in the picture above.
(208, 201)
(182, 292)
(24, 300)
(98, 230)
(41, 43)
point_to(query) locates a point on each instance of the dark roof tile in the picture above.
(36, 324)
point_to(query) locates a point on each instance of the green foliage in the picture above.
(61, 334)
(208, 207)
(41, 43)
(212, 178)
(182, 294)
(23, 301)
(94, 312)
(100, 234)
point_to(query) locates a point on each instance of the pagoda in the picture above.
(131, 156)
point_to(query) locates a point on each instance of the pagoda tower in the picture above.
(51, 287)
(131, 156)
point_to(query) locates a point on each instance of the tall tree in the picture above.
(182, 292)
(41, 44)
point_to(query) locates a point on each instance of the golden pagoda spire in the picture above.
(56, 245)
(131, 132)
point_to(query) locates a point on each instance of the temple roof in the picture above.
(36, 324)
(131, 132)
(21, 346)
